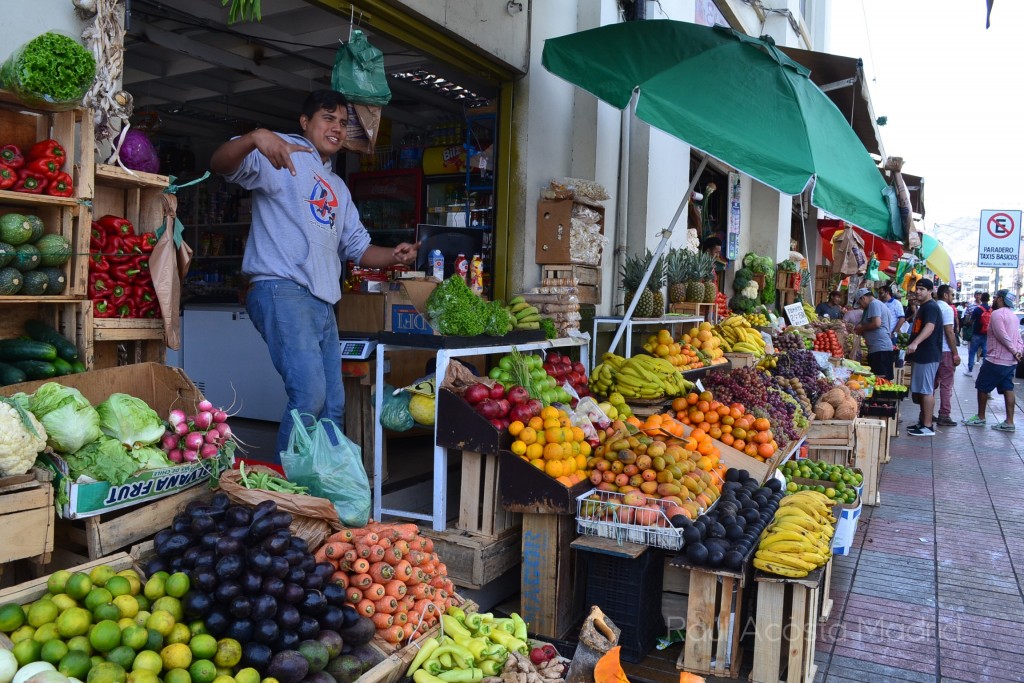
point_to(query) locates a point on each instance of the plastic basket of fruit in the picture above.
(630, 517)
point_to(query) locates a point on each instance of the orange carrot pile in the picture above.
(392, 575)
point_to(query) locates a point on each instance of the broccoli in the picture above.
(454, 309)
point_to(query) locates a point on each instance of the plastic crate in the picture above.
(629, 591)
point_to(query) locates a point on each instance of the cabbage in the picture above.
(130, 421)
(70, 420)
(138, 153)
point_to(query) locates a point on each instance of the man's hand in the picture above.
(277, 150)
(912, 347)
(956, 359)
(405, 253)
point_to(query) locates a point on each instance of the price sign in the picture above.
(796, 314)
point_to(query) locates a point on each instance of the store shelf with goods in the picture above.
(390, 203)
(73, 319)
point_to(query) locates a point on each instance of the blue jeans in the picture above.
(302, 335)
(978, 341)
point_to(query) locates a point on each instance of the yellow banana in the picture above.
(786, 559)
(780, 569)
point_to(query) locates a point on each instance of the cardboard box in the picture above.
(554, 227)
(160, 386)
(358, 312)
(405, 306)
(847, 517)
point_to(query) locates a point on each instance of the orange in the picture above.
(553, 451)
(553, 468)
(577, 434)
(762, 424)
(538, 463)
(554, 435)
(765, 450)
(584, 449)
(692, 398)
(534, 451)
(581, 462)
(527, 435)
(515, 428)
(728, 439)
(549, 413)
(535, 423)
(698, 435)
(518, 447)
(551, 423)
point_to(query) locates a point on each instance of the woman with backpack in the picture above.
(980, 317)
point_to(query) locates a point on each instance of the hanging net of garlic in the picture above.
(105, 37)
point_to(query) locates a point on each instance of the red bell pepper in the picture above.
(150, 310)
(8, 176)
(98, 263)
(124, 273)
(125, 311)
(99, 285)
(148, 242)
(120, 295)
(103, 309)
(141, 263)
(115, 225)
(44, 166)
(48, 149)
(30, 182)
(60, 185)
(97, 238)
(10, 155)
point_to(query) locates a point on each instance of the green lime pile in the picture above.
(836, 481)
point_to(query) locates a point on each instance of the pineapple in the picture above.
(676, 268)
(657, 285)
(706, 274)
(694, 286)
(632, 273)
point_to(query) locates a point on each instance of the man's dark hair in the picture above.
(984, 297)
(943, 290)
(328, 100)
(710, 243)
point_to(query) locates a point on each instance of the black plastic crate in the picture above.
(629, 591)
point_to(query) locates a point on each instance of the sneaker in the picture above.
(921, 430)
(1004, 427)
(975, 421)
(967, 373)
(945, 421)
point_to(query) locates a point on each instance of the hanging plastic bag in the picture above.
(53, 69)
(359, 72)
(872, 271)
(320, 457)
(394, 414)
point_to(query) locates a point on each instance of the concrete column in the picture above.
(770, 216)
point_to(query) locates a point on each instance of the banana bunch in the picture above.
(526, 315)
(637, 377)
(809, 312)
(739, 336)
(799, 539)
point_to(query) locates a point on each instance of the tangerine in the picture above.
(516, 427)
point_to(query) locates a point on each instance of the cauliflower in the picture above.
(750, 291)
(21, 438)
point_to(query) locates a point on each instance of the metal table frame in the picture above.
(438, 518)
(615, 321)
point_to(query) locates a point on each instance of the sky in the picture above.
(951, 90)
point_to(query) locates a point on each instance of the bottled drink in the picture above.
(462, 267)
(476, 274)
(437, 264)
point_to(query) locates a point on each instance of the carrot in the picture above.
(340, 578)
(343, 536)
(437, 582)
(441, 569)
(375, 591)
(382, 572)
(386, 605)
(401, 616)
(396, 588)
(365, 608)
(415, 544)
(334, 550)
(350, 555)
(439, 605)
(407, 532)
(425, 607)
(393, 555)
(371, 538)
(442, 594)
(406, 603)
(363, 550)
(403, 570)
(393, 634)
(415, 618)
(361, 566)
(407, 631)
(420, 591)
(382, 621)
(384, 542)
(415, 557)
(377, 553)
(361, 581)
(320, 555)
(428, 544)
(353, 595)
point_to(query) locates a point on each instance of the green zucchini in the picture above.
(61, 366)
(36, 369)
(41, 332)
(11, 375)
(16, 349)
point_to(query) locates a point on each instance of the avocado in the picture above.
(332, 641)
(345, 669)
(6, 253)
(10, 281)
(57, 280)
(320, 677)
(35, 283)
(316, 654)
(26, 257)
(15, 229)
(360, 632)
(37, 226)
(288, 666)
(54, 250)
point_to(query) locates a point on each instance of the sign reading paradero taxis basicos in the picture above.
(999, 239)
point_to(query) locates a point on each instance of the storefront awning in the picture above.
(842, 80)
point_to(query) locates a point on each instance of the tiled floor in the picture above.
(933, 588)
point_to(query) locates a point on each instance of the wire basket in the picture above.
(605, 514)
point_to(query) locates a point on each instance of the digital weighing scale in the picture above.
(357, 348)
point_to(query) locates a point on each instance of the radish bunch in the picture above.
(196, 437)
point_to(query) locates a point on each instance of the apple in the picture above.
(580, 368)
(498, 391)
(520, 412)
(535, 406)
(489, 408)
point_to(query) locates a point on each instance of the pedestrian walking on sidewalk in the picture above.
(950, 356)
(925, 352)
(980, 318)
(874, 327)
(1004, 352)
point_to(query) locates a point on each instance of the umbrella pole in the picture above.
(666, 235)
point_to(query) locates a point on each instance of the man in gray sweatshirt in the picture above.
(304, 228)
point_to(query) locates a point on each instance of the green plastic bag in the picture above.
(872, 271)
(359, 72)
(320, 457)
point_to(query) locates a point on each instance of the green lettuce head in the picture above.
(130, 421)
(104, 460)
(70, 420)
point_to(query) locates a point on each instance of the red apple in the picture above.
(498, 391)
(517, 395)
(476, 393)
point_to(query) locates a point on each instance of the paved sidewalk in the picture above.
(934, 588)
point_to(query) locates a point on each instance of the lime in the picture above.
(169, 604)
(125, 622)
(56, 581)
(154, 588)
(11, 617)
(161, 621)
(97, 597)
(830, 492)
(177, 584)
(203, 671)
(64, 601)
(135, 636)
(122, 655)
(97, 660)
(107, 672)
(203, 646)
(143, 602)
(155, 640)
(101, 574)
(45, 633)
(176, 656)
(177, 676)
(27, 651)
(127, 605)
(224, 671)
(133, 580)
(42, 612)
(142, 617)
(147, 660)
(197, 627)
(53, 651)
(142, 676)
(105, 636)
(106, 611)
(80, 644)
(118, 585)
(224, 678)
(78, 585)
(229, 652)
(179, 634)
(75, 664)
(247, 675)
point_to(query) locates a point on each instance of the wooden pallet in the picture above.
(104, 534)
(714, 623)
(73, 319)
(825, 610)
(675, 593)
(480, 508)
(126, 341)
(474, 561)
(26, 517)
(871, 442)
(786, 628)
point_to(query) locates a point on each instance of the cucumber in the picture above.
(77, 366)
(41, 332)
(16, 350)
(11, 375)
(36, 369)
(61, 366)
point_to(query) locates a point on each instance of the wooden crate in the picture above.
(552, 585)
(135, 196)
(714, 623)
(474, 561)
(126, 341)
(30, 591)
(554, 225)
(26, 517)
(825, 608)
(480, 508)
(73, 319)
(107, 533)
(831, 433)
(871, 440)
(707, 311)
(586, 279)
(62, 216)
(741, 360)
(786, 628)
(675, 590)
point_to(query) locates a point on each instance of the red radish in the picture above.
(498, 391)
(176, 417)
(222, 427)
(170, 441)
(208, 451)
(175, 455)
(212, 436)
(517, 395)
(194, 441)
(203, 420)
(181, 429)
(476, 393)
(219, 417)
(205, 406)
(190, 455)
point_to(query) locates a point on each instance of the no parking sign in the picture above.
(999, 239)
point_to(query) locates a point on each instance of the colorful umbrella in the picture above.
(937, 259)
